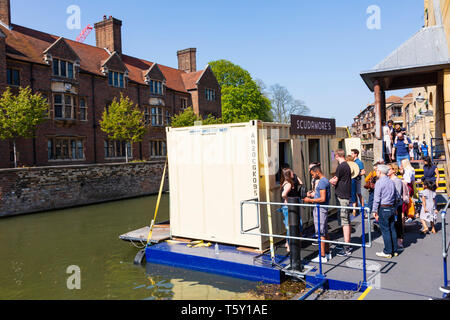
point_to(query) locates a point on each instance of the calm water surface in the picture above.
(36, 250)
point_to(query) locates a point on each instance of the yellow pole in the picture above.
(267, 187)
(157, 203)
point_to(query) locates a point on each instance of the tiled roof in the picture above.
(28, 45)
(190, 79)
(394, 99)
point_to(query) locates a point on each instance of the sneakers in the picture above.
(409, 220)
(445, 289)
(324, 259)
(384, 255)
(344, 252)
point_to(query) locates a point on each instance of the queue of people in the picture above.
(398, 146)
(390, 198)
(347, 185)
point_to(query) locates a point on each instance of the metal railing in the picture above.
(445, 244)
(362, 245)
(437, 149)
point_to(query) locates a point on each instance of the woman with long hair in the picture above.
(288, 190)
(409, 176)
(430, 172)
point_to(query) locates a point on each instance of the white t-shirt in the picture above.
(387, 134)
(409, 175)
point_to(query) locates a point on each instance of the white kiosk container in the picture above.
(213, 168)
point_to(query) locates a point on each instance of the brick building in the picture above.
(80, 80)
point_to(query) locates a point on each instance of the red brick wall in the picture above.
(2, 63)
(187, 60)
(98, 95)
(205, 107)
(108, 34)
(5, 11)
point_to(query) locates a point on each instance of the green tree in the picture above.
(242, 99)
(210, 119)
(20, 115)
(184, 119)
(122, 121)
(187, 118)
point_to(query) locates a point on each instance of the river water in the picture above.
(36, 251)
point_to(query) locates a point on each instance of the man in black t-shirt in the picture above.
(343, 189)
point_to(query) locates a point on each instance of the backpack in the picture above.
(405, 193)
(416, 146)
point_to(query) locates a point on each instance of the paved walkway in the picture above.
(416, 274)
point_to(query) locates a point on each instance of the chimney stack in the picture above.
(108, 34)
(5, 12)
(187, 60)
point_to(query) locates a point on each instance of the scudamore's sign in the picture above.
(301, 125)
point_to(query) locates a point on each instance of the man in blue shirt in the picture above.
(385, 202)
(322, 196)
(403, 146)
(362, 172)
(424, 149)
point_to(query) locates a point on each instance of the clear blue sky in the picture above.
(314, 48)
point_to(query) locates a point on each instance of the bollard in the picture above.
(294, 231)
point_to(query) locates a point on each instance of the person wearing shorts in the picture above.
(322, 197)
(362, 172)
(343, 189)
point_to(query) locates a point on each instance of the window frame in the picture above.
(210, 94)
(60, 148)
(184, 103)
(156, 87)
(116, 79)
(117, 149)
(157, 119)
(10, 77)
(146, 116)
(168, 118)
(69, 68)
(158, 148)
(83, 108)
(64, 106)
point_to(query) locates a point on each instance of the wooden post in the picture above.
(378, 112)
(447, 162)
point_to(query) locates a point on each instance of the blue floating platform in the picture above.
(228, 262)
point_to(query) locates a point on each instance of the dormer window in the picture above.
(156, 87)
(116, 79)
(62, 68)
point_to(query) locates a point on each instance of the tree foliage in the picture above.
(123, 121)
(283, 104)
(242, 99)
(187, 118)
(20, 115)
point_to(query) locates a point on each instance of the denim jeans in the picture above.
(371, 198)
(416, 155)
(386, 221)
(285, 211)
(400, 158)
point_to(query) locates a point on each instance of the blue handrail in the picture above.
(313, 289)
(363, 244)
(445, 245)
